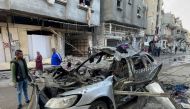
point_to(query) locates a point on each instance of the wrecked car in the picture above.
(92, 84)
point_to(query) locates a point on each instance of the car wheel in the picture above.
(98, 105)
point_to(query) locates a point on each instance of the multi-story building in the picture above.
(159, 16)
(167, 28)
(39, 25)
(172, 31)
(121, 20)
(153, 18)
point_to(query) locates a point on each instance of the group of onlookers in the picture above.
(154, 48)
(20, 73)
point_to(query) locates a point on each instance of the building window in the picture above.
(85, 5)
(85, 2)
(178, 31)
(130, 2)
(139, 12)
(119, 5)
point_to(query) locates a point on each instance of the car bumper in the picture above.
(80, 107)
(75, 107)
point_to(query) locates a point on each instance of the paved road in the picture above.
(176, 75)
(8, 98)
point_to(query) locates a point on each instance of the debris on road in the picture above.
(129, 73)
(180, 93)
(95, 72)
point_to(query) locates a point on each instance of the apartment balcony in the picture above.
(69, 10)
(124, 12)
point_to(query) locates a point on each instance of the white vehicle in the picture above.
(95, 84)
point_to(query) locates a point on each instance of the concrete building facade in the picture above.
(121, 21)
(39, 25)
(153, 18)
(173, 32)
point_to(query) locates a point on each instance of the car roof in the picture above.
(118, 55)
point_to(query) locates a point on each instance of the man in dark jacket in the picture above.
(20, 76)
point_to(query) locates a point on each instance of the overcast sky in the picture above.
(180, 8)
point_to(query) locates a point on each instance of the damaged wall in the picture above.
(98, 37)
(81, 42)
(61, 44)
(23, 41)
(6, 41)
(19, 34)
(125, 14)
(68, 11)
(40, 7)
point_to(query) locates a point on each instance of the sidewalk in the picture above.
(170, 60)
(6, 66)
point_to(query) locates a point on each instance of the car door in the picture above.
(142, 65)
(124, 84)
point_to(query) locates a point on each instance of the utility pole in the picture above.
(8, 19)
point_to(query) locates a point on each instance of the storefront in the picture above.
(39, 43)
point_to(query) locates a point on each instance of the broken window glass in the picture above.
(85, 2)
(138, 63)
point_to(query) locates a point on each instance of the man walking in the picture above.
(55, 58)
(39, 65)
(20, 76)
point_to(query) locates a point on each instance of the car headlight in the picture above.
(61, 102)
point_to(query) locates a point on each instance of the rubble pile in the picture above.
(180, 93)
(4, 76)
(122, 75)
(73, 60)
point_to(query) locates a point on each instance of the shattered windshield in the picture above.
(98, 62)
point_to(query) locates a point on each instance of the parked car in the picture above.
(92, 84)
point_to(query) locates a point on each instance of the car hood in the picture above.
(107, 82)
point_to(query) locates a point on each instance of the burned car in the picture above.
(92, 84)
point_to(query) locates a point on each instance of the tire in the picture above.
(98, 105)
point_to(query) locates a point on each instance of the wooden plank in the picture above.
(116, 92)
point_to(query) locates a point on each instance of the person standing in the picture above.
(89, 52)
(39, 65)
(55, 58)
(158, 49)
(20, 77)
(176, 49)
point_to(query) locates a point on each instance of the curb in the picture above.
(5, 70)
(10, 70)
